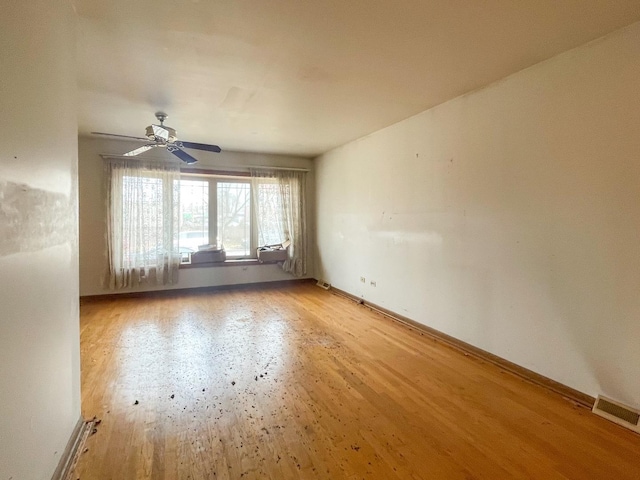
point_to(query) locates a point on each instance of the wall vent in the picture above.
(323, 284)
(618, 413)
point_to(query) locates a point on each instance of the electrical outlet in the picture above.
(373, 283)
(362, 279)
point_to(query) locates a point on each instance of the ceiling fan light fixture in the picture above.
(161, 133)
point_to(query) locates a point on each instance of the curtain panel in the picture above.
(143, 202)
(279, 198)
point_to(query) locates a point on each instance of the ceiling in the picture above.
(301, 77)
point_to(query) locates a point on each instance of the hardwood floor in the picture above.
(296, 382)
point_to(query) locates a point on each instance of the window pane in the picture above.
(234, 218)
(271, 229)
(194, 214)
(142, 213)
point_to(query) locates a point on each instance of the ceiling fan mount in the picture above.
(164, 136)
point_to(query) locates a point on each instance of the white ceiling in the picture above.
(301, 77)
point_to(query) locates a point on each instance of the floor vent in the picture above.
(323, 284)
(618, 413)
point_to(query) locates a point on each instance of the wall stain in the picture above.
(32, 219)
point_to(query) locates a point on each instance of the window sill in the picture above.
(241, 262)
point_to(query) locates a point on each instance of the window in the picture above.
(157, 217)
(194, 214)
(142, 226)
(269, 202)
(228, 201)
(233, 202)
(279, 196)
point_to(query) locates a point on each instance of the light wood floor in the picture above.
(297, 382)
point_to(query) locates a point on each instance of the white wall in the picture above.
(508, 218)
(93, 214)
(39, 336)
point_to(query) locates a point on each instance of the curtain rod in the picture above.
(264, 167)
(259, 167)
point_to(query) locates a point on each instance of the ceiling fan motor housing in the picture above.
(161, 133)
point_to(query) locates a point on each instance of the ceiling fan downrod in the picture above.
(161, 116)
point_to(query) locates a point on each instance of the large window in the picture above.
(219, 210)
(157, 216)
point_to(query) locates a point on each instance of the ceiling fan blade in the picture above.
(139, 150)
(181, 154)
(144, 139)
(200, 146)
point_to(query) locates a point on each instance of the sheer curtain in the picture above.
(143, 201)
(280, 204)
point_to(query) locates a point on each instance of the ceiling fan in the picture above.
(166, 137)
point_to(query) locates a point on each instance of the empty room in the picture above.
(320, 240)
